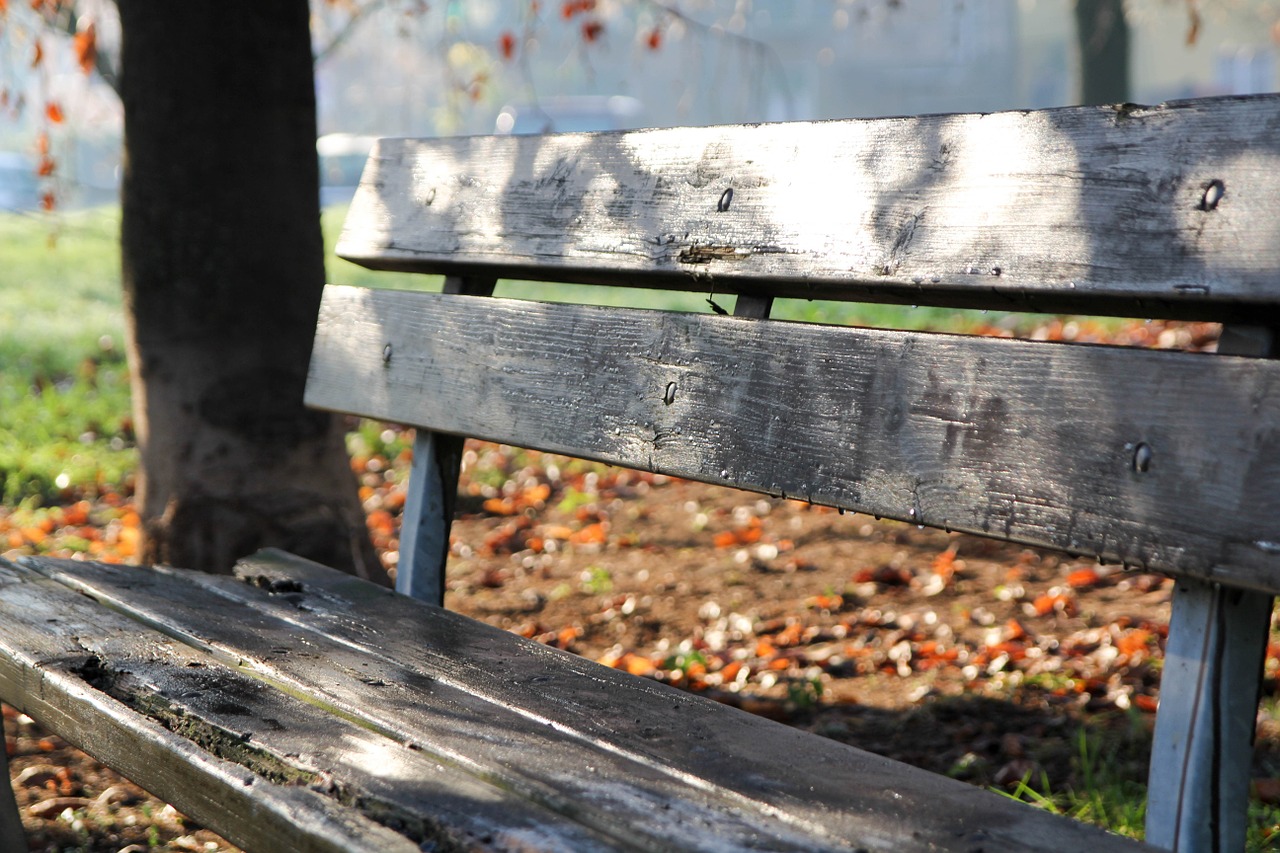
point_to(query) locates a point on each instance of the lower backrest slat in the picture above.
(1156, 459)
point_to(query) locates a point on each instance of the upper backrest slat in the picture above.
(1168, 211)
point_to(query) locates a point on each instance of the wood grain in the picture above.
(51, 635)
(1171, 210)
(1159, 460)
(660, 768)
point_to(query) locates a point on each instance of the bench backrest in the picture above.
(1159, 460)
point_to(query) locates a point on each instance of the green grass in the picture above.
(1109, 791)
(64, 389)
(61, 292)
(1105, 794)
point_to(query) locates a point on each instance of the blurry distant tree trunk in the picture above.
(1103, 38)
(223, 266)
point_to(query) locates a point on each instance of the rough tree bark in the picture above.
(223, 268)
(1102, 34)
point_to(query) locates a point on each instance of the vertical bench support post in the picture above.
(1198, 793)
(432, 494)
(12, 835)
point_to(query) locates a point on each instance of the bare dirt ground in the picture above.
(988, 662)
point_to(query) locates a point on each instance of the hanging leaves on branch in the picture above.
(85, 45)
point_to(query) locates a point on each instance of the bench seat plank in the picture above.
(1159, 460)
(397, 705)
(1146, 211)
(391, 663)
(53, 638)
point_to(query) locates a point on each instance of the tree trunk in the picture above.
(223, 267)
(1102, 34)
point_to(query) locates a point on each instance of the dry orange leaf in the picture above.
(826, 602)
(945, 563)
(129, 540)
(53, 112)
(85, 45)
(1082, 578)
(790, 635)
(500, 506)
(381, 521)
(1134, 641)
(725, 539)
(537, 494)
(592, 534)
(636, 665)
(77, 513)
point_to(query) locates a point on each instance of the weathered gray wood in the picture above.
(12, 835)
(432, 491)
(1202, 755)
(1160, 460)
(50, 642)
(1150, 211)
(1198, 794)
(754, 307)
(428, 515)
(661, 769)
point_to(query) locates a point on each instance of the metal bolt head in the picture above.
(1142, 458)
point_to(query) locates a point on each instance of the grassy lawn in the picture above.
(64, 390)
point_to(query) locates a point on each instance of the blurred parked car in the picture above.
(342, 157)
(571, 113)
(19, 186)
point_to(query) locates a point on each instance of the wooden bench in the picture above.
(309, 710)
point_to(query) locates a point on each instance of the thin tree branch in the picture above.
(761, 48)
(348, 29)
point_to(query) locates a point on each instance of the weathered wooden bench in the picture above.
(309, 710)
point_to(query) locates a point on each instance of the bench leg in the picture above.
(12, 835)
(1198, 795)
(428, 515)
(433, 491)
